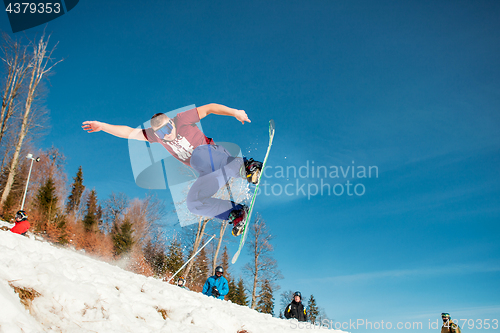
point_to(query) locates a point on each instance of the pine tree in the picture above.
(175, 257)
(230, 282)
(77, 189)
(62, 227)
(240, 291)
(122, 238)
(232, 295)
(154, 254)
(46, 202)
(199, 272)
(265, 303)
(312, 309)
(225, 263)
(91, 219)
(100, 223)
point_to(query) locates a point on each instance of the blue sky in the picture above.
(409, 87)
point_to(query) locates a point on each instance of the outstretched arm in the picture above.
(120, 131)
(205, 110)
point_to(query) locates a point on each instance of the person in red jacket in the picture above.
(22, 224)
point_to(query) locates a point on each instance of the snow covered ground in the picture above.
(81, 294)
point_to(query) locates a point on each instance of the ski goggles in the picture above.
(165, 129)
(445, 315)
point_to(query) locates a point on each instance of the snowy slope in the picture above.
(81, 294)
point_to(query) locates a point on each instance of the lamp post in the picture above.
(29, 156)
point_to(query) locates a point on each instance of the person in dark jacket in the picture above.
(448, 325)
(22, 225)
(216, 286)
(296, 309)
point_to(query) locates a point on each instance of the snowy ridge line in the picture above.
(81, 294)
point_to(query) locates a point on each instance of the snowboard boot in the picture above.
(237, 218)
(250, 170)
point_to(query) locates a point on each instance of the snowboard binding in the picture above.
(250, 170)
(237, 218)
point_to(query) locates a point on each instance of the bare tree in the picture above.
(144, 216)
(13, 202)
(264, 266)
(202, 224)
(51, 165)
(286, 298)
(222, 230)
(235, 190)
(16, 62)
(114, 209)
(56, 171)
(39, 67)
(322, 315)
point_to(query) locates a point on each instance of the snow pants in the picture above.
(215, 166)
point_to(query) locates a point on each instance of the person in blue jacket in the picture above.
(216, 285)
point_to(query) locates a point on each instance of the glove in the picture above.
(215, 292)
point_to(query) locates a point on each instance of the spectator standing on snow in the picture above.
(448, 325)
(296, 309)
(22, 225)
(216, 286)
(181, 282)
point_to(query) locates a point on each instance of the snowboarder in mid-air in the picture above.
(215, 165)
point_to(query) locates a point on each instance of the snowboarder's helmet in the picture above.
(445, 315)
(181, 279)
(21, 215)
(297, 293)
(219, 269)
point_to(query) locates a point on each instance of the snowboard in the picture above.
(252, 202)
